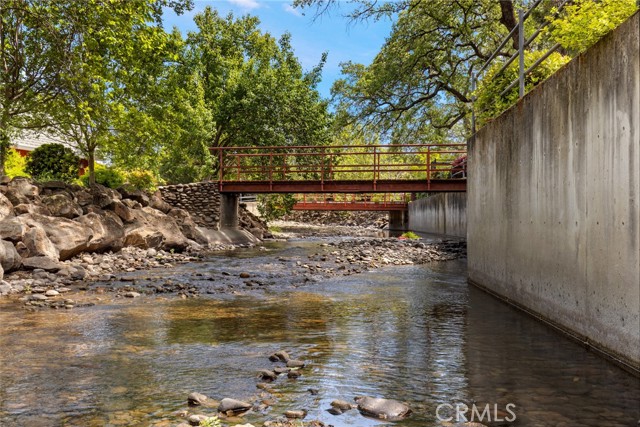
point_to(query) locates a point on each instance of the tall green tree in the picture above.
(34, 49)
(419, 84)
(254, 86)
(114, 49)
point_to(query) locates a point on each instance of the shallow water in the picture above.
(418, 334)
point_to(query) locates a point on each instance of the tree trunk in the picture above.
(92, 166)
(508, 19)
(5, 144)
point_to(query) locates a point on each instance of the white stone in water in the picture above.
(52, 293)
(132, 294)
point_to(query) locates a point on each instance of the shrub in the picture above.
(490, 104)
(107, 176)
(584, 22)
(15, 164)
(53, 162)
(274, 206)
(142, 179)
(409, 235)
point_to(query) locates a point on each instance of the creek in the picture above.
(419, 334)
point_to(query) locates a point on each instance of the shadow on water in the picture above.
(418, 334)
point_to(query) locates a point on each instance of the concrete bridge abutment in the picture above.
(229, 218)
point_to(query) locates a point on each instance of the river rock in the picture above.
(196, 419)
(51, 293)
(41, 262)
(38, 297)
(343, 405)
(268, 375)
(196, 399)
(280, 356)
(295, 364)
(386, 409)
(233, 405)
(131, 294)
(293, 374)
(300, 413)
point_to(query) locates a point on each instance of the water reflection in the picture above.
(418, 334)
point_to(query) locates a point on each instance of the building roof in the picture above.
(30, 140)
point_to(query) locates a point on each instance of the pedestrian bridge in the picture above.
(408, 168)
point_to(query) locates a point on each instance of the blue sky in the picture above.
(342, 39)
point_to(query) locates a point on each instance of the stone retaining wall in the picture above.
(200, 199)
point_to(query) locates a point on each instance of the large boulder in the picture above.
(24, 187)
(153, 220)
(103, 196)
(38, 244)
(188, 227)
(143, 237)
(9, 258)
(135, 195)
(42, 262)
(12, 229)
(386, 409)
(122, 210)
(28, 208)
(157, 202)
(69, 237)
(108, 233)
(6, 207)
(62, 205)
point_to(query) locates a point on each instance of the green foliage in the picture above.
(274, 206)
(15, 164)
(107, 176)
(142, 179)
(53, 162)
(409, 235)
(584, 22)
(211, 422)
(490, 104)
(254, 86)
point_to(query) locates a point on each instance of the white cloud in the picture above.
(290, 9)
(246, 4)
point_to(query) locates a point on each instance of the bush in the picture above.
(142, 179)
(584, 22)
(274, 206)
(15, 164)
(490, 104)
(107, 176)
(53, 162)
(409, 235)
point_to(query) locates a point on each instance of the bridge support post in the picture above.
(229, 211)
(398, 220)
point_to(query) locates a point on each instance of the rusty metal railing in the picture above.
(330, 163)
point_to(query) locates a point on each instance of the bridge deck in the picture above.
(382, 186)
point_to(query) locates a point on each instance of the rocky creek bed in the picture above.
(133, 272)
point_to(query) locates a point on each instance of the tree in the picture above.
(113, 48)
(254, 86)
(34, 48)
(419, 84)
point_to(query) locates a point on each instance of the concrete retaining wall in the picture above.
(200, 199)
(553, 199)
(444, 213)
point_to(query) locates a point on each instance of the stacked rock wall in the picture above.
(200, 199)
